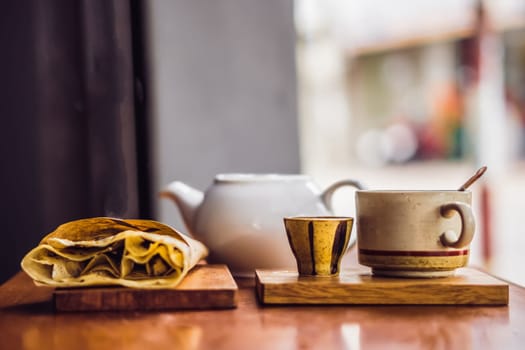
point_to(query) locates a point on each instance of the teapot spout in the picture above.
(186, 198)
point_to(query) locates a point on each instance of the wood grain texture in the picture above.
(205, 287)
(467, 287)
(27, 321)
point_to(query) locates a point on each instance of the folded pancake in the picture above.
(107, 251)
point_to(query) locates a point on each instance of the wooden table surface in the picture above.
(28, 322)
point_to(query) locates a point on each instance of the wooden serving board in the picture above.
(467, 287)
(205, 287)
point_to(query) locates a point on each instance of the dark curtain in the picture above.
(68, 145)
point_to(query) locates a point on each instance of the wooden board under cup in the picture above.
(467, 287)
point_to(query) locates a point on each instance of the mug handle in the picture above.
(448, 238)
(326, 197)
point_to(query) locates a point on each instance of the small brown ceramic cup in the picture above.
(318, 243)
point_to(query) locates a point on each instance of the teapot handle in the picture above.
(326, 197)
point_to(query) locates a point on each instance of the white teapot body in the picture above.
(240, 217)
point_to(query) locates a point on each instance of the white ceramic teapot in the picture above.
(240, 217)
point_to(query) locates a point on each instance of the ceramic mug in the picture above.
(318, 243)
(414, 233)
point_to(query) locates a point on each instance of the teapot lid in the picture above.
(251, 177)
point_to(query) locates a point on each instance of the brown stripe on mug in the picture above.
(413, 253)
(338, 246)
(311, 240)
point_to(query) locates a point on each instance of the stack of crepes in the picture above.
(107, 251)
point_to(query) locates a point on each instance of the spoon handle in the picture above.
(474, 177)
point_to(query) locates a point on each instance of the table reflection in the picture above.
(155, 333)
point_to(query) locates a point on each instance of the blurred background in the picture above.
(104, 102)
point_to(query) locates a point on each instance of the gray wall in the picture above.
(222, 91)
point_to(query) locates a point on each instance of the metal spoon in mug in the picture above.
(474, 177)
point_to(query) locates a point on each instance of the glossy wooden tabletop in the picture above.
(27, 322)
